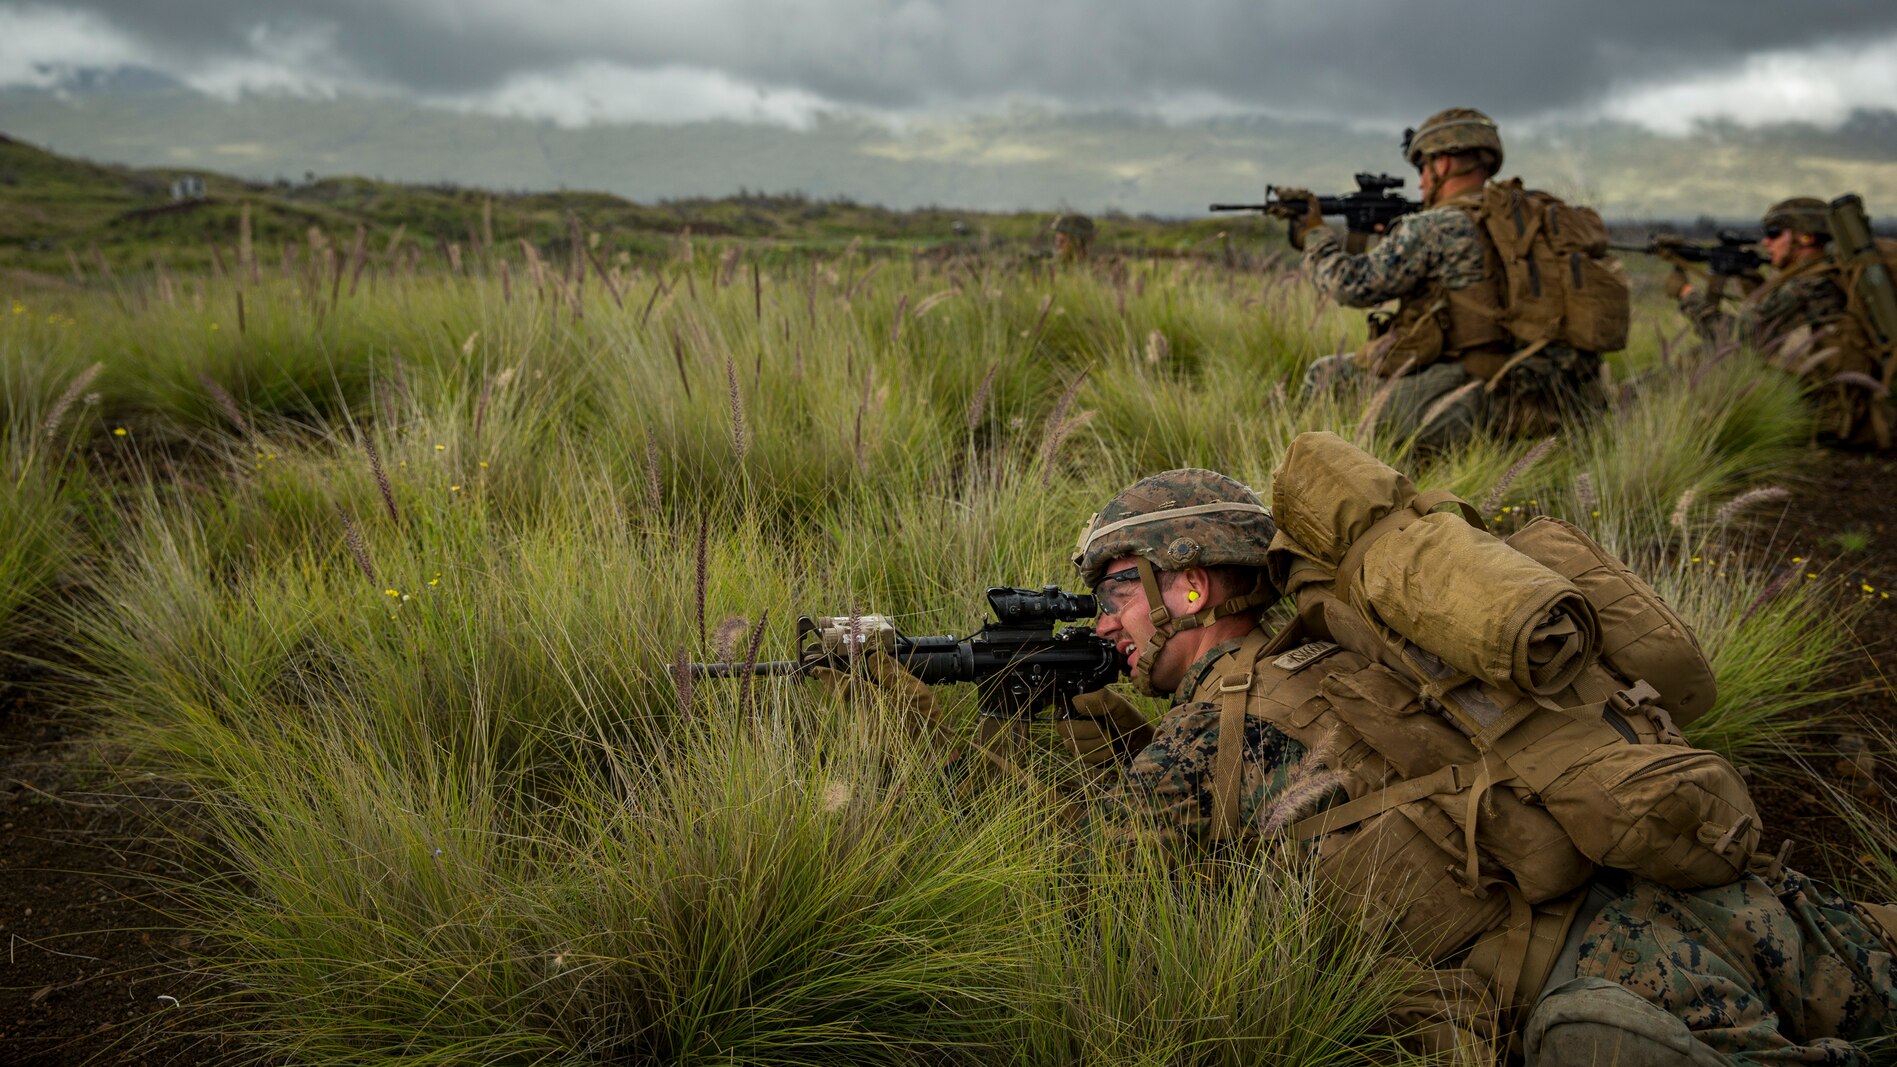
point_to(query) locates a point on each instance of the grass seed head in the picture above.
(57, 414)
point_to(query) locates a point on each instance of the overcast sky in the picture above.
(1666, 64)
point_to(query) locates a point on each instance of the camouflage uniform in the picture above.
(1165, 793)
(1769, 969)
(1806, 295)
(1443, 246)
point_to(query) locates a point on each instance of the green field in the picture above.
(68, 219)
(377, 565)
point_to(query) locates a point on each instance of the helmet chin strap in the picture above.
(1435, 192)
(1166, 626)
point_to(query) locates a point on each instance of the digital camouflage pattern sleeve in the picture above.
(1764, 971)
(1165, 793)
(1773, 311)
(1436, 245)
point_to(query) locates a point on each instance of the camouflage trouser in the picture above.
(1546, 392)
(1442, 404)
(1784, 971)
(1425, 405)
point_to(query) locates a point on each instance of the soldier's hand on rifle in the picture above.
(1104, 728)
(1298, 207)
(1677, 286)
(877, 676)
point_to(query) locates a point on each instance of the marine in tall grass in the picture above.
(1447, 352)
(1801, 292)
(1810, 318)
(1770, 967)
(1073, 237)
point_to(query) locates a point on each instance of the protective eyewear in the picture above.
(1114, 590)
(1772, 233)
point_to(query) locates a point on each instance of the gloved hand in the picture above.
(1676, 283)
(878, 676)
(1299, 225)
(1104, 727)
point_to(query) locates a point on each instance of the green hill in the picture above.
(55, 210)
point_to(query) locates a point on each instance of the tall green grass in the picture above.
(395, 587)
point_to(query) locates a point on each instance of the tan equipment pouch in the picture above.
(1562, 286)
(1641, 635)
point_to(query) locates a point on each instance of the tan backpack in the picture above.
(1493, 677)
(1477, 878)
(1562, 286)
(1848, 362)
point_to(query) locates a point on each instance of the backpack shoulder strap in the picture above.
(1228, 764)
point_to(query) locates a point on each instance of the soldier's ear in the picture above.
(1198, 583)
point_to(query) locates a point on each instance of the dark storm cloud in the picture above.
(1380, 60)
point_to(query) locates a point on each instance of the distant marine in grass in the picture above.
(1073, 237)
(1827, 313)
(1505, 297)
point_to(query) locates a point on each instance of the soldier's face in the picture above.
(1126, 620)
(1778, 244)
(1430, 173)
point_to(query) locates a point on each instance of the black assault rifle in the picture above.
(1735, 255)
(1019, 661)
(1371, 209)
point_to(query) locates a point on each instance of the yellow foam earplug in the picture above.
(1192, 596)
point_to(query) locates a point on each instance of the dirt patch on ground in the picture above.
(87, 958)
(1841, 526)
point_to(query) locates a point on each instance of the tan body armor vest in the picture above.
(1443, 323)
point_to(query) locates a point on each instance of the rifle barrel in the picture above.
(1237, 207)
(736, 670)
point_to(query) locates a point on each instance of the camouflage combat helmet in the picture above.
(1172, 521)
(1806, 215)
(1179, 519)
(1459, 129)
(1078, 227)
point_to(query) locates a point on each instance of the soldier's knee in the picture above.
(1328, 372)
(1591, 1021)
